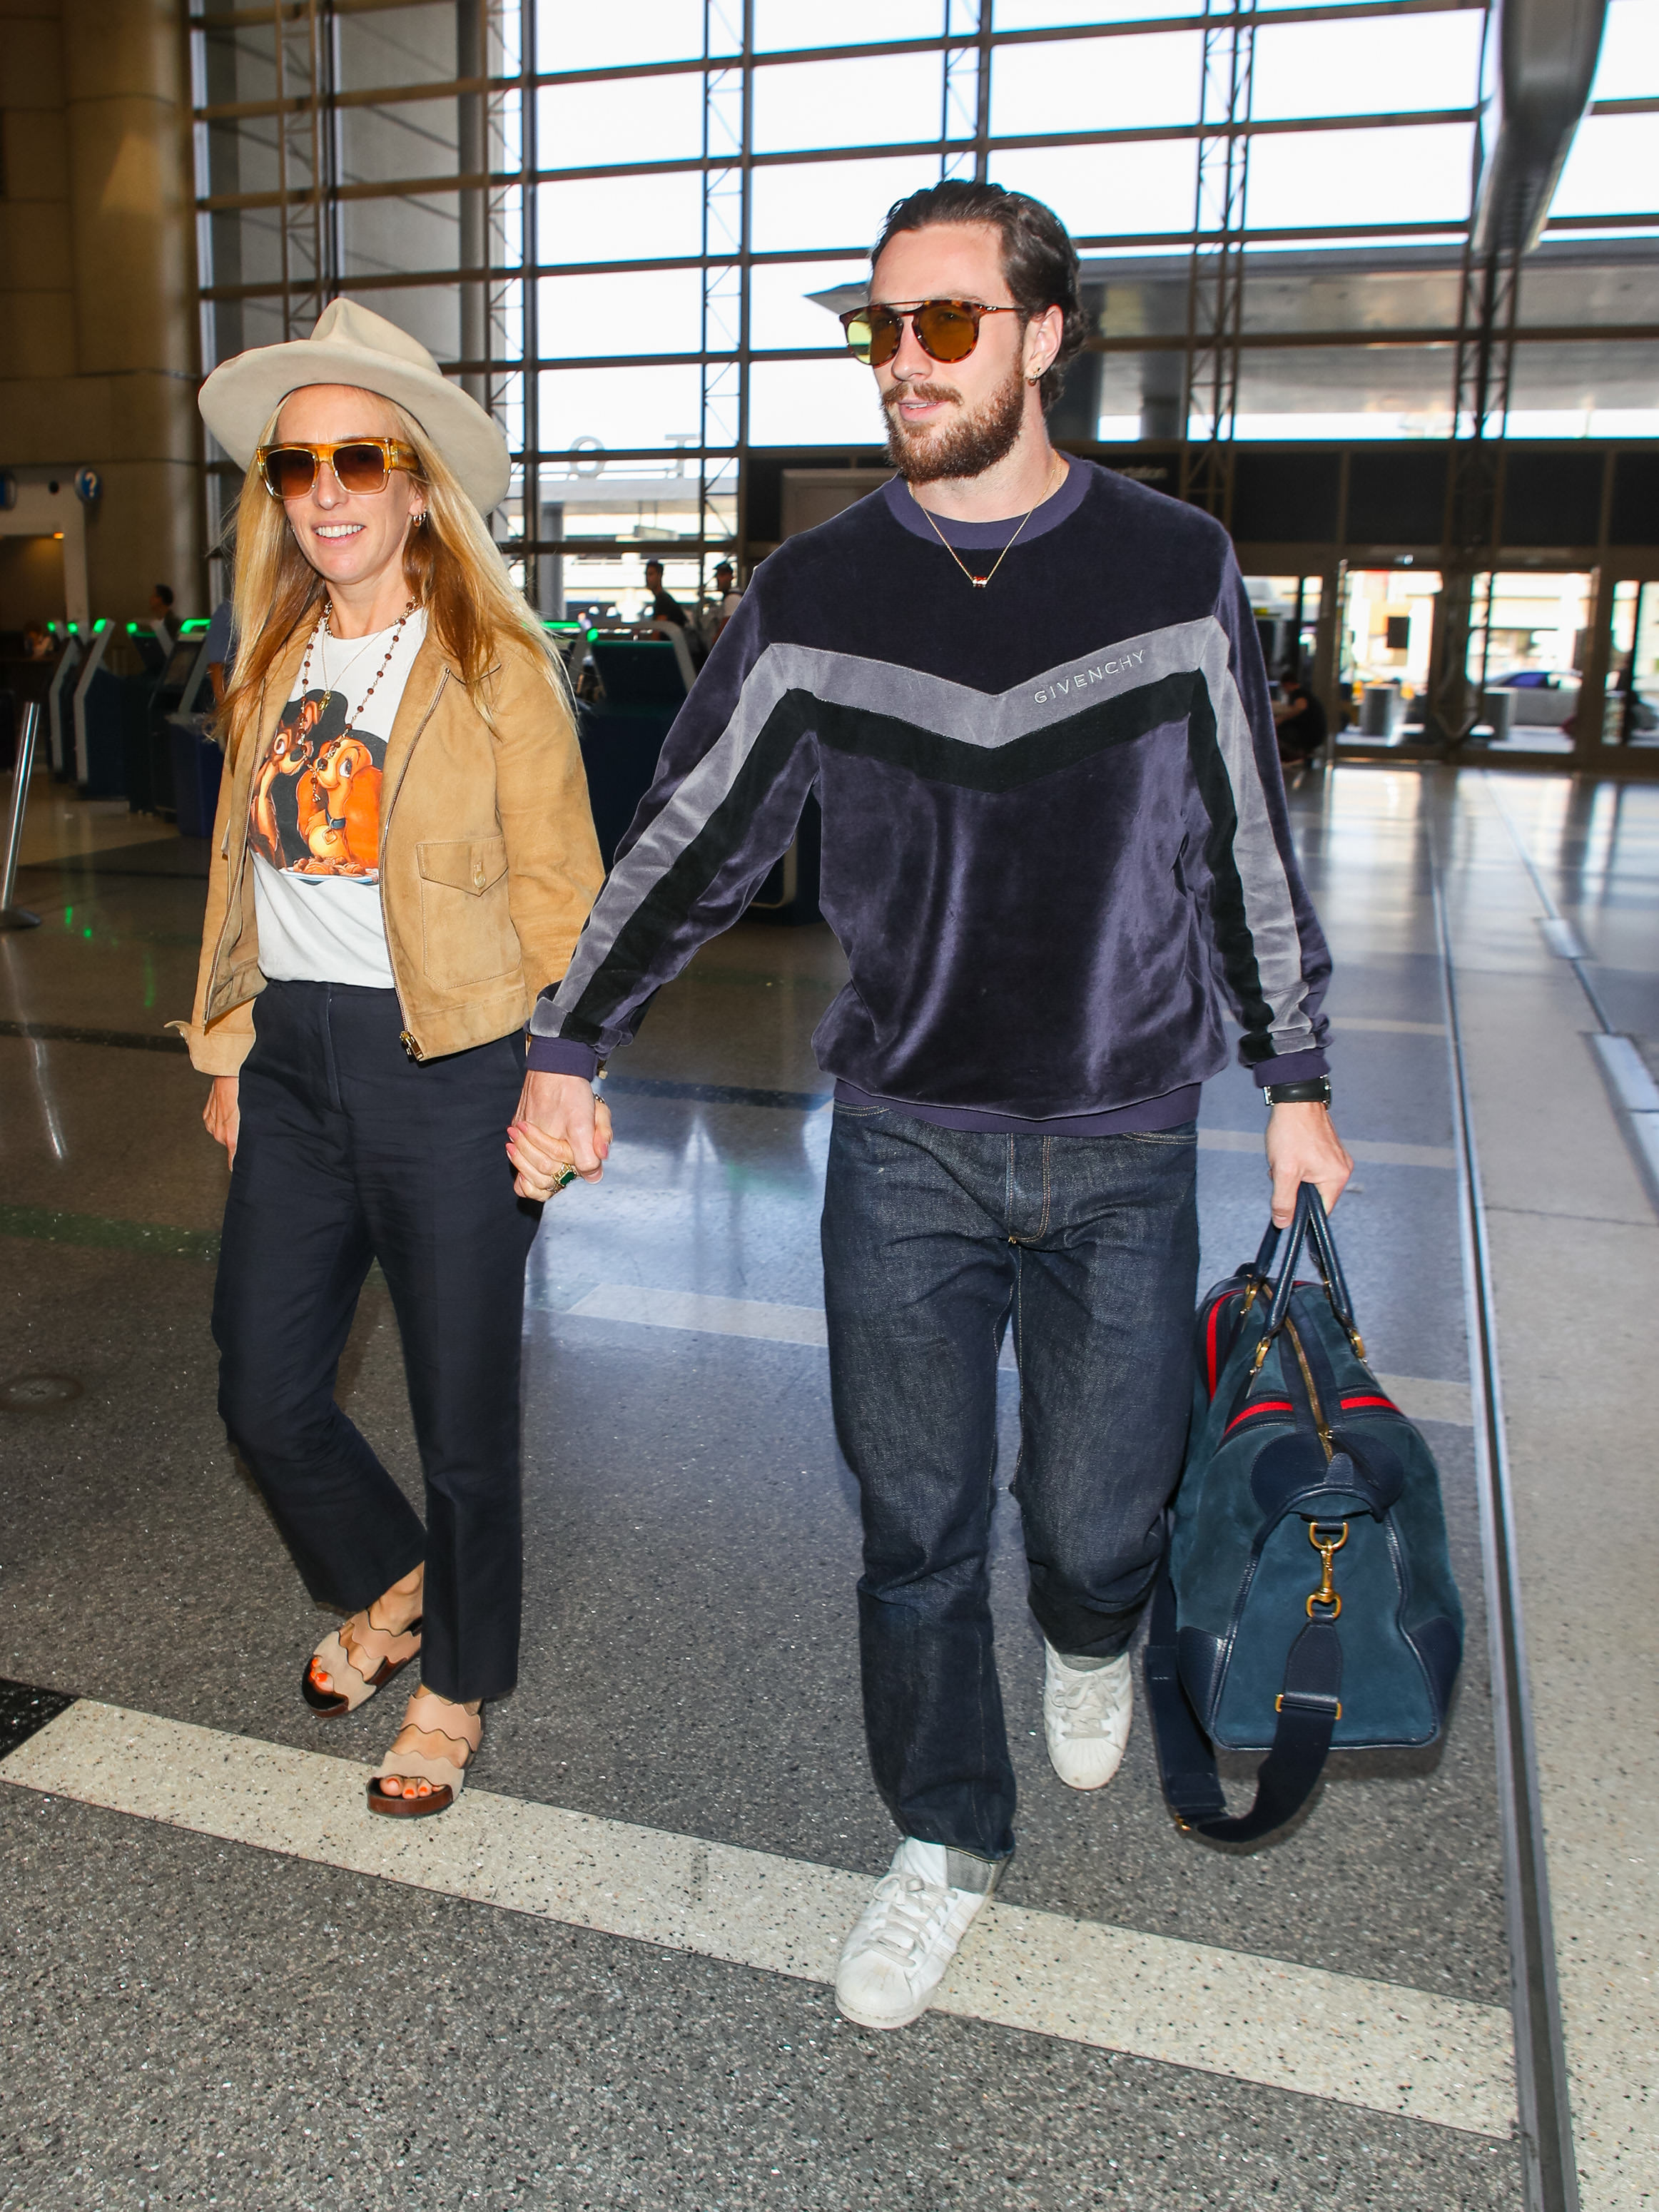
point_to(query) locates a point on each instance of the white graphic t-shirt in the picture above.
(314, 813)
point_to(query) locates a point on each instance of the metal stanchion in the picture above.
(19, 917)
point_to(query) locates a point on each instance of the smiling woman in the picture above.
(403, 857)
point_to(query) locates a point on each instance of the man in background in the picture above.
(664, 607)
(160, 612)
(726, 600)
(1301, 725)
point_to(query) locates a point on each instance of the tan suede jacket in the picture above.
(488, 863)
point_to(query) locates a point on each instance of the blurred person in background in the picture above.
(726, 600)
(160, 612)
(221, 644)
(1301, 726)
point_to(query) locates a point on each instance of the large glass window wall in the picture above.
(626, 230)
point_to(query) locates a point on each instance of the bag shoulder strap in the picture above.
(1309, 1707)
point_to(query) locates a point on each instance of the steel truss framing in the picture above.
(307, 164)
(1489, 302)
(496, 139)
(728, 33)
(1215, 292)
(498, 169)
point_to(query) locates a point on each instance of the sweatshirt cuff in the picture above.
(562, 1056)
(1290, 1067)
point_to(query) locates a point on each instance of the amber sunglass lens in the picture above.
(290, 471)
(947, 333)
(874, 338)
(360, 468)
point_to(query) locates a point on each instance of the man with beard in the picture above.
(1029, 697)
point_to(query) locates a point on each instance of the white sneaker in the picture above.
(904, 1939)
(1086, 1712)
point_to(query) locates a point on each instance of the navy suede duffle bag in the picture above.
(1308, 1601)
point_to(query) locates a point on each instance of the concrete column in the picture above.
(127, 111)
(98, 346)
(37, 276)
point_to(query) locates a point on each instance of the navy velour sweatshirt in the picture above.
(1055, 849)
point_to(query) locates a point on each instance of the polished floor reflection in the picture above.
(567, 2007)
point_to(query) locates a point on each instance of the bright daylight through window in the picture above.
(628, 230)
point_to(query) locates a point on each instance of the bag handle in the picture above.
(1309, 1707)
(1311, 1225)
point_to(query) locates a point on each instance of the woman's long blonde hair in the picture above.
(453, 567)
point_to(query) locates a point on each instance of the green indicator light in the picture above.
(69, 917)
(196, 627)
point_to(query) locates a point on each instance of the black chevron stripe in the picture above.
(939, 758)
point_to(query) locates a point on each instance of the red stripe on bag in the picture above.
(1388, 1402)
(1262, 1406)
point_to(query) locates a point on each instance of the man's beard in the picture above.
(966, 446)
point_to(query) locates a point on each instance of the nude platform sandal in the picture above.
(422, 1753)
(353, 1669)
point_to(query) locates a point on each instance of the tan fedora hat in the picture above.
(352, 345)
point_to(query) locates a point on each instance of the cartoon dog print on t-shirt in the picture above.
(316, 803)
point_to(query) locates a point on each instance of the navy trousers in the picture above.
(350, 1153)
(933, 1241)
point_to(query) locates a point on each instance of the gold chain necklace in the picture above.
(980, 582)
(324, 629)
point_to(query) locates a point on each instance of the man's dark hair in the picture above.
(164, 593)
(1039, 260)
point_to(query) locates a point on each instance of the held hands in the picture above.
(560, 1125)
(1302, 1147)
(221, 1116)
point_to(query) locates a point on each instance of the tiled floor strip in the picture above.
(1420, 1397)
(1260, 2019)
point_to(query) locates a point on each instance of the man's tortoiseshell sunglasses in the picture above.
(946, 330)
(359, 465)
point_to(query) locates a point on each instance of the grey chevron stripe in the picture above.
(988, 721)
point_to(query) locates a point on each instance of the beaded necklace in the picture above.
(323, 630)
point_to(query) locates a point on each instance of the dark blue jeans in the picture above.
(933, 1241)
(350, 1153)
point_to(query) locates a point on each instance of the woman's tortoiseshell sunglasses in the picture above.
(359, 465)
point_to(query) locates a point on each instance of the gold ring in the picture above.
(561, 1183)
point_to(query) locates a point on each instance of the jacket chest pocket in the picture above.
(466, 923)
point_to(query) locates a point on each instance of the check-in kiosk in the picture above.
(170, 671)
(60, 699)
(146, 774)
(187, 714)
(642, 684)
(185, 687)
(98, 706)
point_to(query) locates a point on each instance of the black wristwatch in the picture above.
(1316, 1092)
